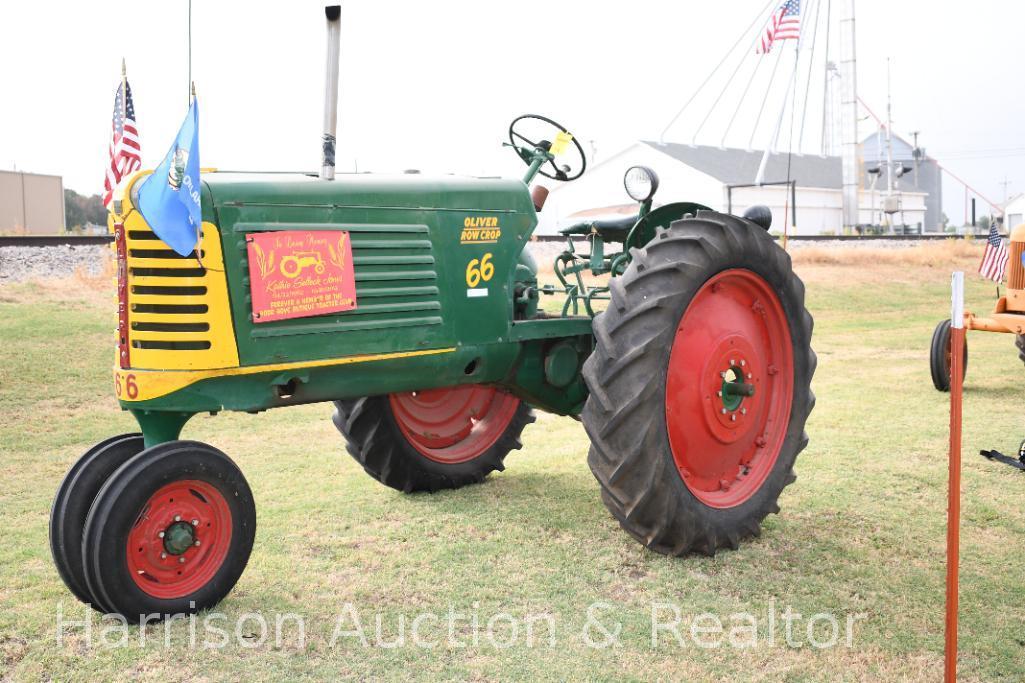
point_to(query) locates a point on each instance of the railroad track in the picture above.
(54, 240)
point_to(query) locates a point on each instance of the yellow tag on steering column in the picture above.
(562, 140)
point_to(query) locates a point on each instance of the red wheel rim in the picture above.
(179, 540)
(454, 424)
(733, 332)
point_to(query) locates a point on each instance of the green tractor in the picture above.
(413, 305)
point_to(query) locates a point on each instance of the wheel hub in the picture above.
(178, 538)
(729, 388)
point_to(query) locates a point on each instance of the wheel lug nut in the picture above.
(177, 518)
(181, 560)
(749, 375)
(743, 411)
(163, 556)
(723, 411)
(743, 363)
(719, 393)
(160, 534)
(195, 522)
(196, 544)
(733, 417)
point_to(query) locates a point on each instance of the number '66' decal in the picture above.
(479, 270)
(129, 388)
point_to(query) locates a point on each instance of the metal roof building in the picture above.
(739, 166)
(710, 175)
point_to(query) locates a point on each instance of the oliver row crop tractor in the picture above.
(413, 305)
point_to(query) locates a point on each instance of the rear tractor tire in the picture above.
(433, 439)
(700, 385)
(939, 356)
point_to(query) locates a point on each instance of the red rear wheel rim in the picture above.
(734, 330)
(454, 424)
(179, 540)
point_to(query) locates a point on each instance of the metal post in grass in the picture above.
(954, 477)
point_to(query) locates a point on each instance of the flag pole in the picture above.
(957, 334)
(193, 85)
(124, 89)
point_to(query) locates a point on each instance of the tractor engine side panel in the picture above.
(433, 270)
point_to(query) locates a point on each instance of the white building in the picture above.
(1014, 212)
(704, 174)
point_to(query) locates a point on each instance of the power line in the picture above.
(758, 64)
(811, 65)
(825, 80)
(724, 89)
(662, 136)
(758, 119)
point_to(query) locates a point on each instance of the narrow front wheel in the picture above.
(170, 532)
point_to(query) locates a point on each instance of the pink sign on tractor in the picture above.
(300, 273)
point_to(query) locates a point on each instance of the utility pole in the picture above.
(916, 154)
(1005, 185)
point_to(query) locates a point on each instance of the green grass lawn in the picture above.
(861, 533)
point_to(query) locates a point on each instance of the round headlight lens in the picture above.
(640, 182)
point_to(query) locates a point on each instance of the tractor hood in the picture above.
(367, 190)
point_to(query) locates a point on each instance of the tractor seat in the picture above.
(611, 230)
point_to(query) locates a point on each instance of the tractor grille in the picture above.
(396, 283)
(1015, 271)
(177, 308)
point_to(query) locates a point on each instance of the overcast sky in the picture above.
(433, 85)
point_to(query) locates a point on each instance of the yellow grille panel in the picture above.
(178, 312)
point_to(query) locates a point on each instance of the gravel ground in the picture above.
(18, 264)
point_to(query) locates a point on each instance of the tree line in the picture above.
(81, 210)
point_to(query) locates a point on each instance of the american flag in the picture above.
(994, 261)
(785, 23)
(124, 142)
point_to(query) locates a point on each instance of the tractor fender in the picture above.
(643, 230)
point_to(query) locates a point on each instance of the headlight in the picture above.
(640, 182)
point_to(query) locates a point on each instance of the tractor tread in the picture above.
(624, 413)
(375, 441)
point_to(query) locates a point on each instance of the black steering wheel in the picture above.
(563, 172)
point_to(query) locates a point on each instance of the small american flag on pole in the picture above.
(124, 142)
(785, 23)
(994, 260)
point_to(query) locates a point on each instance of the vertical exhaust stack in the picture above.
(334, 25)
